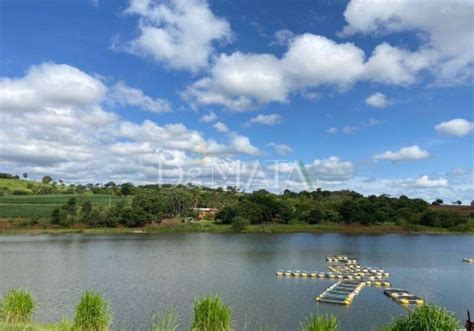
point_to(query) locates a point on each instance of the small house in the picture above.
(205, 212)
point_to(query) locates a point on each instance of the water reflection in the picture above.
(140, 274)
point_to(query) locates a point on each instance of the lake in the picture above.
(141, 274)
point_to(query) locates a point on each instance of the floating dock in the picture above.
(378, 281)
(403, 296)
(341, 259)
(342, 293)
(351, 277)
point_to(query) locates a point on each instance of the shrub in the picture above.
(20, 192)
(425, 318)
(71, 205)
(210, 314)
(134, 217)
(165, 322)
(239, 223)
(315, 216)
(34, 220)
(17, 306)
(319, 323)
(92, 313)
(64, 215)
(226, 214)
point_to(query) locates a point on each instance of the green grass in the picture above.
(319, 323)
(97, 199)
(210, 314)
(17, 184)
(15, 226)
(17, 306)
(425, 318)
(25, 211)
(64, 325)
(21, 185)
(165, 322)
(25, 206)
(92, 313)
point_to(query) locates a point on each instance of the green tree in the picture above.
(86, 212)
(315, 216)
(285, 211)
(71, 205)
(430, 218)
(126, 189)
(133, 217)
(437, 202)
(61, 216)
(56, 215)
(226, 214)
(150, 203)
(350, 212)
(47, 179)
(80, 189)
(239, 223)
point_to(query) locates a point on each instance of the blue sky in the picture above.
(371, 96)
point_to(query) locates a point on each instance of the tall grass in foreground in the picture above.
(165, 322)
(319, 323)
(425, 318)
(211, 314)
(17, 306)
(92, 313)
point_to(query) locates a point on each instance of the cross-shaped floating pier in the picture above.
(351, 279)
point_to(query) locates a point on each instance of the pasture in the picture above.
(26, 206)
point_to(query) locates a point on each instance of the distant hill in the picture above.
(11, 186)
(20, 185)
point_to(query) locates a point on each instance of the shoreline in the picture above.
(220, 228)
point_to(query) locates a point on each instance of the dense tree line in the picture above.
(152, 203)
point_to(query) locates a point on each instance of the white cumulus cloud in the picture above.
(449, 58)
(457, 127)
(425, 181)
(59, 127)
(221, 127)
(270, 119)
(50, 85)
(411, 153)
(179, 33)
(209, 117)
(280, 149)
(332, 169)
(125, 95)
(283, 37)
(242, 81)
(377, 100)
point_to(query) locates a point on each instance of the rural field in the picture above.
(26, 206)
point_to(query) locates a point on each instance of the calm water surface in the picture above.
(143, 274)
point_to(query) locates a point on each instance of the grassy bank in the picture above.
(16, 227)
(210, 314)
